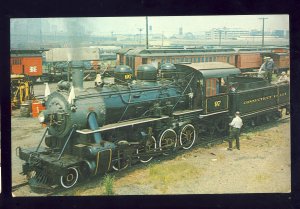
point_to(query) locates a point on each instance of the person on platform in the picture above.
(236, 125)
(283, 78)
(267, 68)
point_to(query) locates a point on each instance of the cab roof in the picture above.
(210, 69)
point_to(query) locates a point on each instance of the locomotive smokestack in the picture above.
(77, 74)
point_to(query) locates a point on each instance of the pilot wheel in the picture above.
(70, 178)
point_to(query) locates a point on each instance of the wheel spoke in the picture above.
(121, 163)
(167, 140)
(149, 147)
(187, 136)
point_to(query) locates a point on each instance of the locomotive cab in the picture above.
(210, 85)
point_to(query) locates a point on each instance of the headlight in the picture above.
(41, 117)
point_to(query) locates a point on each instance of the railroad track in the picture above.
(58, 190)
(18, 186)
(22, 185)
(285, 118)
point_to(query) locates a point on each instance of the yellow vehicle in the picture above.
(21, 90)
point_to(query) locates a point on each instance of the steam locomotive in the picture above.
(111, 126)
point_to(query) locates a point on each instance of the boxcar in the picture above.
(28, 63)
(248, 60)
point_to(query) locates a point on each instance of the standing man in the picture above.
(268, 68)
(236, 125)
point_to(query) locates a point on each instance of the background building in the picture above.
(226, 33)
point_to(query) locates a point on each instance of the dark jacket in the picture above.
(269, 66)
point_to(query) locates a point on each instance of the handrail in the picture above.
(63, 149)
(42, 139)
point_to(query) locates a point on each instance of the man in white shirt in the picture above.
(236, 125)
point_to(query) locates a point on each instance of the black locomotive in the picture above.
(92, 131)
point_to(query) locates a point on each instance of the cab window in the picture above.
(211, 87)
(215, 86)
(144, 60)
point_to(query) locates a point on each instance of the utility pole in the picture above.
(220, 34)
(27, 35)
(263, 31)
(41, 42)
(140, 29)
(147, 43)
(162, 39)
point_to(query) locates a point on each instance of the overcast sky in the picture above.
(170, 25)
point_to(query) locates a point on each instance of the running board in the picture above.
(215, 113)
(260, 111)
(177, 113)
(121, 125)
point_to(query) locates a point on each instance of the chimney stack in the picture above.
(77, 74)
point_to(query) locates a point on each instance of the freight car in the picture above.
(93, 131)
(27, 63)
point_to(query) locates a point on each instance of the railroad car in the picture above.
(109, 127)
(28, 63)
(246, 59)
(158, 57)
